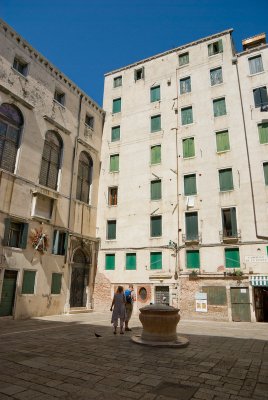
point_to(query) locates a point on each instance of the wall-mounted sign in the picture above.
(201, 306)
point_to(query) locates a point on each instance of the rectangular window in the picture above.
(56, 283)
(186, 115)
(192, 259)
(255, 65)
(229, 224)
(156, 123)
(156, 154)
(20, 66)
(260, 97)
(59, 97)
(28, 282)
(110, 261)
(155, 94)
(265, 170)
(156, 193)
(16, 234)
(139, 74)
(156, 260)
(215, 48)
(263, 132)
(114, 163)
(112, 196)
(191, 224)
(130, 261)
(216, 76)
(190, 185)
(111, 230)
(222, 140)
(219, 107)
(59, 242)
(185, 85)
(232, 258)
(117, 81)
(115, 136)
(156, 226)
(89, 121)
(184, 59)
(226, 179)
(117, 105)
(188, 147)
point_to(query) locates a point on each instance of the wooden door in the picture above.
(8, 293)
(240, 304)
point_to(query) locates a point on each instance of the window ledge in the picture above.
(186, 125)
(189, 158)
(17, 98)
(257, 73)
(20, 74)
(58, 103)
(113, 172)
(216, 54)
(223, 151)
(217, 84)
(226, 191)
(220, 116)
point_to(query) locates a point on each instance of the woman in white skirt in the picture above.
(119, 309)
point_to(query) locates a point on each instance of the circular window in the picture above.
(143, 293)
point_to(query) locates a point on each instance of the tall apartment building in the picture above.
(183, 196)
(50, 140)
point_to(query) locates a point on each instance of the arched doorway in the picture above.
(79, 279)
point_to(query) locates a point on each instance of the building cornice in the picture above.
(252, 50)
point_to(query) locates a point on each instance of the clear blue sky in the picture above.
(86, 38)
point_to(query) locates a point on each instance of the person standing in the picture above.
(130, 298)
(119, 309)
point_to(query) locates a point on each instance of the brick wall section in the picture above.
(102, 293)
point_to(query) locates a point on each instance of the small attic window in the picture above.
(139, 74)
(59, 97)
(89, 121)
(20, 66)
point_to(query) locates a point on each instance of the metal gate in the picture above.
(162, 295)
(8, 293)
(240, 304)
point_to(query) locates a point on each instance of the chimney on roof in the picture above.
(254, 41)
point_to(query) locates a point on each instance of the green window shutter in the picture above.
(191, 222)
(184, 59)
(226, 179)
(233, 221)
(114, 163)
(222, 139)
(156, 260)
(265, 170)
(232, 258)
(56, 283)
(117, 105)
(110, 261)
(263, 132)
(156, 190)
(190, 185)
(216, 295)
(188, 147)
(156, 226)
(156, 123)
(28, 282)
(156, 154)
(186, 115)
(7, 231)
(219, 107)
(115, 133)
(24, 236)
(155, 94)
(55, 242)
(111, 230)
(192, 259)
(131, 261)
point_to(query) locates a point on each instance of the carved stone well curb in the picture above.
(159, 323)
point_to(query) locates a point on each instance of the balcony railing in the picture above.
(227, 236)
(191, 239)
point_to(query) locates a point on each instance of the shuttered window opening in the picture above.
(222, 140)
(56, 283)
(156, 123)
(114, 163)
(216, 295)
(131, 261)
(112, 196)
(184, 59)
(260, 97)
(111, 230)
(139, 74)
(229, 224)
(192, 259)
(11, 122)
(21, 66)
(156, 260)
(263, 132)
(84, 177)
(115, 136)
(219, 107)
(191, 223)
(60, 240)
(186, 115)
(156, 192)
(16, 234)
(185, 85)
(28, 282)
(110, 261)
(188, 147)
(117, 81)
(226, 179)
(156, 154)
(156, 226)
(216, 76)
(232, 258)
(155, 94)
(117, 105)
(265, 170)
(255, 65)
(51, 160)
(190, 185)
(215, 48)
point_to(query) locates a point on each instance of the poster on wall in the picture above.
(201, 304)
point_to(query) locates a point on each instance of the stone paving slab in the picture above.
(59, 357)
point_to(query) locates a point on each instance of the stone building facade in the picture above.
(50, 141)
(183, 196)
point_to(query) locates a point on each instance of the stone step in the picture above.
(79, 310)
